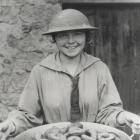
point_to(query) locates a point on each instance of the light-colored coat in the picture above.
(46, 96)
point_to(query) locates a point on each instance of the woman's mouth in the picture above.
(71, 46)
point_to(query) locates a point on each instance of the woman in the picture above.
(69, 85)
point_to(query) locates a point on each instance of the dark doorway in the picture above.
(117, 43)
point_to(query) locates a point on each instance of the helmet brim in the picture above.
(57, 30)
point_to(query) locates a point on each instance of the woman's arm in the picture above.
(29, 112)
(110, 104)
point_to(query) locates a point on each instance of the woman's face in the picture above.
(71, 43)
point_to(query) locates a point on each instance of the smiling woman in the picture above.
(69, 85)
(70, 30)
(70, 43)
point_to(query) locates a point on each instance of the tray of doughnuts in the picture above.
(73, 131)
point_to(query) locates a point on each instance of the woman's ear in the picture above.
(89, 42)
(52, 39)
(89, 39)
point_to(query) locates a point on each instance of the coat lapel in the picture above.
(53, 62)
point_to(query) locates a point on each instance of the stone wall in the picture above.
(22, 45)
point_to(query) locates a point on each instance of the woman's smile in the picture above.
(70, 47)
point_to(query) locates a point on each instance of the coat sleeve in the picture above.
(28, 113)
(110, 104)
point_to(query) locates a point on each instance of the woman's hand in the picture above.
(6, 128)
(130, 119)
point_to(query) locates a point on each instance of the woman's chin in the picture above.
(72, 55)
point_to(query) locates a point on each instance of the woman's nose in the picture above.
(70, 38)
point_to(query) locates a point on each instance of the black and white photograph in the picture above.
(69, 69)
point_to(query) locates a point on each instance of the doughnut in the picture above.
(73, 138)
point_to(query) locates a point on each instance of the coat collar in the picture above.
(53, 62)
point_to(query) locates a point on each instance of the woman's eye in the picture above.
(62, 35)
(78, 33)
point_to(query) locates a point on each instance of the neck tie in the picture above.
(75, 109)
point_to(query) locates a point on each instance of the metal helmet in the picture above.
(69, 19)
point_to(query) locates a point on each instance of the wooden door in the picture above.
(117, 43)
